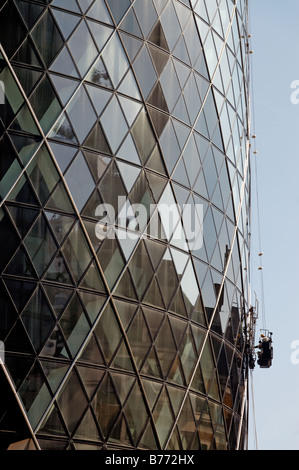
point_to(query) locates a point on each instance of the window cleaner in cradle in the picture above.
(265, 353)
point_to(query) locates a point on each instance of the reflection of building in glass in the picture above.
(123, 341)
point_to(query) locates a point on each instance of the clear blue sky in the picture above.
(275, 41)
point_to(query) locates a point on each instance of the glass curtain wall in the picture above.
(119, 332)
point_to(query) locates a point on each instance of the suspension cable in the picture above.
(260, 253)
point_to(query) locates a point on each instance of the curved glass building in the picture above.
(124, 224)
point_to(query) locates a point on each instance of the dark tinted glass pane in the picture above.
(29, 11)
(9, 239)
(10, 16)
(47, 38)
(45, 104)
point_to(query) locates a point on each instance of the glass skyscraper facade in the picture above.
(121, 331)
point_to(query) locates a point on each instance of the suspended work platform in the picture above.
(264, 355)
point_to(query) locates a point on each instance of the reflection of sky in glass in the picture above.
(189, 284)
(168, 212)
(82, 48)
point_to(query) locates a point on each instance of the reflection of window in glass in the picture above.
(139, 338)
(108, 332)
(143, 136)
(136, 412)
(171, 25)
(140, 268)
(38, 319)
(116, 132)
(109, 182)
(98, 11)
(99, 75)
(115, 60)
(165, 347)
(40, 245)
(186, 425)
(145, 71)
(100, 33)
(170, 85)
(118, 9)
(64, 87)
(163, 417)
(106, 405)
(10, 167)
(35, 395)
(79, 181)
(43, 173)
(74, 326)
(66, 22)
(76, 252)
(169, 145)
(58, 271)
(81, 106)
(14, 98)
(111, 260)
(72, 401)
(64, 64)
(167, 278)
(47, 37)
(189, 285)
